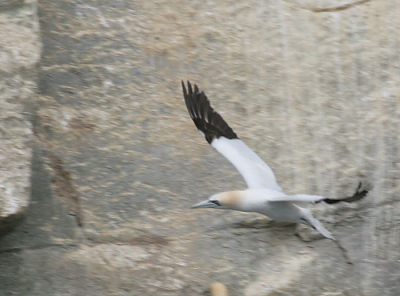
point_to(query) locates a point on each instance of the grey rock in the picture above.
(19, 55)
(312, 87)
(15, 155)
(19, 39)
(10, 4)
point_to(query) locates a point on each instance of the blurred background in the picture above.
(101, 160)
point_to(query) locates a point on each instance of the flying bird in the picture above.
(263, 194)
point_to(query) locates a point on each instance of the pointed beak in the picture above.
(204, 204)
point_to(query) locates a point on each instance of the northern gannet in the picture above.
(263, 194)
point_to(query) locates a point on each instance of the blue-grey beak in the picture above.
(206, 204)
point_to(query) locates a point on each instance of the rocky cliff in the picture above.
(312, 86)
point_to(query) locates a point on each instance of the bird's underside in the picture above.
(260, 179)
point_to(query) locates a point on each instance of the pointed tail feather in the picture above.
(321, 229)
(307, 218)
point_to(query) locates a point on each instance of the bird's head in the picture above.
(224, 200)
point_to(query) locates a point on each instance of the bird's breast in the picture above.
(281, 211)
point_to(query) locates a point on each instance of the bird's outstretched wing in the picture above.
(218, 134)
(359, 194)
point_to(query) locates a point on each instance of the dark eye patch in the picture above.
(305, 221)
(216, 202)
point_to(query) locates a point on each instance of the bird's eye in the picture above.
(216, 202)
(304, 221)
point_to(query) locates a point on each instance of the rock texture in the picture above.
(19, 56)
(312, 86)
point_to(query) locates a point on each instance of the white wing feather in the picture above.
(298, 198)
(253, 169)
(270, 195)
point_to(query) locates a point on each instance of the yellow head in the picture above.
(224, 200)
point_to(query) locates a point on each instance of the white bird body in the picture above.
(263, 195)
(274, 204)
(262, 201)
(254, 200)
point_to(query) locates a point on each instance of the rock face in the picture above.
(312, 86)
(19, 55)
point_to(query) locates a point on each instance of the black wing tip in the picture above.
(360, 193)
(205, 118)
(190, 88)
